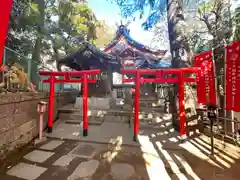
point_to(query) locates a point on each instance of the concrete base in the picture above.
(105, 133)
(94, 103)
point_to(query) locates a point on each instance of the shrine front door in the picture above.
(147, 90)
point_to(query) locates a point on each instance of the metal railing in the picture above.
(226, 129)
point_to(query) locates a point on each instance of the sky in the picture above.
(105, 10)
(235, 4)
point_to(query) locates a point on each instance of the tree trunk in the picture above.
(38, 44)
(36, 59)
(180, 56)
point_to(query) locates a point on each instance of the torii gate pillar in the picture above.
(5, 10)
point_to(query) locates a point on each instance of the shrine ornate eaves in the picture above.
(123, 34)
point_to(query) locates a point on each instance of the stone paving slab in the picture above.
(86, 150)
(26, 171)
(38, 156)
(64, 160)
(52, 145)
(122, 171)
(185, 161)
(84, 170)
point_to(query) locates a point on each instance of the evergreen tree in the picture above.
(237, 24)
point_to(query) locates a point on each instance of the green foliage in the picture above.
(207, 6)
(130, 8)
(47, 30)
(104, 34)
(75, 22)
(216, 16)
(237, 24)
(44, 27)
(22, 26)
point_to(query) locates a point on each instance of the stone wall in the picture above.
(19, 118)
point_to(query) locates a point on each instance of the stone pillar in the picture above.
(114, 93)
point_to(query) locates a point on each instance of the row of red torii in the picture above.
(68, 78)
(203, 74)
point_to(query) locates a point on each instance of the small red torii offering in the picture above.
(67, 79)
(159, 78)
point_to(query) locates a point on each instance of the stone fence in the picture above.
(19, 118)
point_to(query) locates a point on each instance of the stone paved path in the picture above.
(74, 160)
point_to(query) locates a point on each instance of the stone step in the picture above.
(142, 103)
(94, 121)
(114, 111)
(143, 125)
(149, 106)
(91, 122)
(102, 115)
(97, 120)
(151, 100)
(94, 110)
(107, 117)
(79, 117)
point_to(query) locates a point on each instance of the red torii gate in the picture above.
(67, 79)
(159, 73)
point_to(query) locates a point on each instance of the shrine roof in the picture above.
(90, 57)
(163, 63)
(123, 32)
(149, 64)
(146, 64)
(136, 54)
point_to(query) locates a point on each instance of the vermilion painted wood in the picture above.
(165, 71)
(179, 78)
(70, 81)
(136, 106)
(51, 103)
(5, 10)
(85, 105)
(67, 79)
(71, 73)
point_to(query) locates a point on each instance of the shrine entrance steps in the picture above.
(149, 116)
(105, 124)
